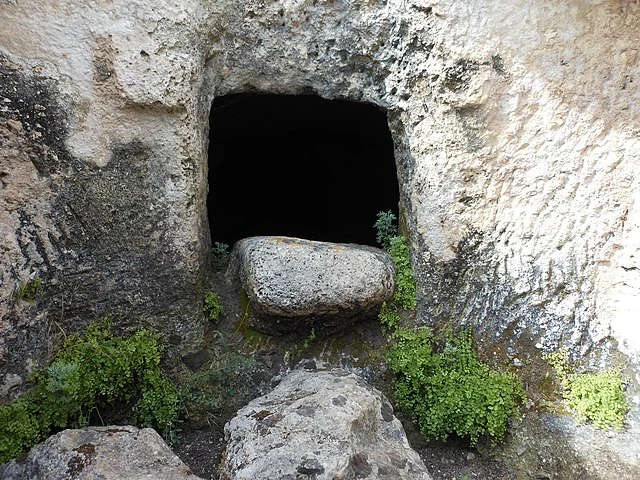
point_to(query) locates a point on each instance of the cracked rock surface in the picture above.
(323, 423)
(108, 453)
(295, 285)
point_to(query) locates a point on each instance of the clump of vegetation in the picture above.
(441, 384)
(389, 316)
(594, 397)
(219, 255)
(405, 293)
(29, 291)
(310, 339)
(213, 306)
(447, 390)
(404, 296)
(90, 376)
(300, 347)
(386, 228)
(206, 391)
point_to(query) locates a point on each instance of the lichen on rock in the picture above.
(323, 422)
(294, 284)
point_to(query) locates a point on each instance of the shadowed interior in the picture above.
(298, 166)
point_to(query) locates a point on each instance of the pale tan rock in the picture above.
(515, 126)
(109, 453)
(319, 422)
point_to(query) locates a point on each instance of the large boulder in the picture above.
(294, 284)
(321, 424)
(107, 453)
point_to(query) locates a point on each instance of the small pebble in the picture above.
(15, 124)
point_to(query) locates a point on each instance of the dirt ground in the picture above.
(358, 349)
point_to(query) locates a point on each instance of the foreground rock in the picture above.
(568, 448)
(107, 453)
(295, 284)
(321, 424)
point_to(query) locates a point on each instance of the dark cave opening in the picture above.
(298, 166)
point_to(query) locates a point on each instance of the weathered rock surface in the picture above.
(294, 284)
(108, 453)
(515, 123)
(618, 454)
(323, 424)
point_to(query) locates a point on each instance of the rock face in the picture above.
(557, 433)
(294, 284)
(322, 424)
(108, 453)
(515, 125)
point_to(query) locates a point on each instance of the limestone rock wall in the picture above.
(538, 187)
(103, 173)
(516, 133)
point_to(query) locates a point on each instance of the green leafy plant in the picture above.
(310, 339)
(594, 397)
(213, 306)
(92, 374)
(219, 254)
(405, 292)
(299, 347)
(386, 228)
(389, 316)
(29, 291)
(404, 296)
(447, 390)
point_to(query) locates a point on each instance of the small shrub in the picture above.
(91, 374)
(160, 405)
(213, 306)
(404, 296)
(206, 391)
(598, 397)
(220, 255)
(19, 429)
(447, 390)
(29, 291)
(594, 397)
(310, 339)
(287, 357)
(389, 316)
(385, 228)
